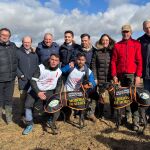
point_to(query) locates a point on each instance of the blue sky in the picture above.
(91, 6)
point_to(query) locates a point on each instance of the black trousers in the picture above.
(128, 80)
(32, 98)
(6, 93)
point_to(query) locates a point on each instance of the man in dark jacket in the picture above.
(8, 68)
(145, 42)
(68, 48)
(46, 48)
(87, 48)
(27, 64)
(67, 54)
(126, 65)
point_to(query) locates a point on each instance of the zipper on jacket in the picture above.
(126, 51)
(10, 60)
(105, 65)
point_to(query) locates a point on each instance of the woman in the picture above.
(101, 68)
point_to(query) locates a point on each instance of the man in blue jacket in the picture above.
(78, 75)
(27, 64)
(46, 48)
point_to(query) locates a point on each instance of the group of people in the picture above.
(51, 68)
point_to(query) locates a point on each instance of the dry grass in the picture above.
(99, 136)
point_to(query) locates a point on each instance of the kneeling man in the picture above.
(45, 82)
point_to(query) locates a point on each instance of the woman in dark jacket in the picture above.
(101, 68)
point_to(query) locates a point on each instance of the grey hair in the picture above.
(48, 34)
(146, 21)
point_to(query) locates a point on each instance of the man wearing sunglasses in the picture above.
(126, 67)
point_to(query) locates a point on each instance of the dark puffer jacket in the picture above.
(44, 51)
(101, 63)
(8, 61)
(88, 54)
(67, 53)
(145, 43)
(27, 64)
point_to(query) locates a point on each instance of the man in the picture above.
(47, 47)
(77, 75)
(126, 66)
(87, 48)
(68, 49)
(27, 64)
(145, 42)
(8, 68)
(45, 82)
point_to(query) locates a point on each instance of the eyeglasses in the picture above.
(5, 35)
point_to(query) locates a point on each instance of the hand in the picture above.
(96, 82)
(22, 76)
(42, 95)
(90, 84)
(87, 86)
(137, 80)
(115, 79)
(71, 64)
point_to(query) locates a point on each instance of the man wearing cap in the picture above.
(126, 67)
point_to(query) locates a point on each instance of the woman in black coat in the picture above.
(101, 68)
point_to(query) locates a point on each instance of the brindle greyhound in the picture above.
(81, 112)
(112, 88)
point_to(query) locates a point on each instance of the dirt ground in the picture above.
(99, 136)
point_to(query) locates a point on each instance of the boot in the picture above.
(1, 113)
(135, 123)
(8, 110)
(92, 118)
(135, 127)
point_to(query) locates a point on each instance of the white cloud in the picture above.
(84, 2)
(53, 4)
(35, 19)
(116, 3)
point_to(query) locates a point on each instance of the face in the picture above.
(48, 40)
(81, 61)
(68, 38)
(4, 36)
(53, 61)
(126, 35)
(27, 42)
(85, 42)
(146, 28)
(105, 41)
